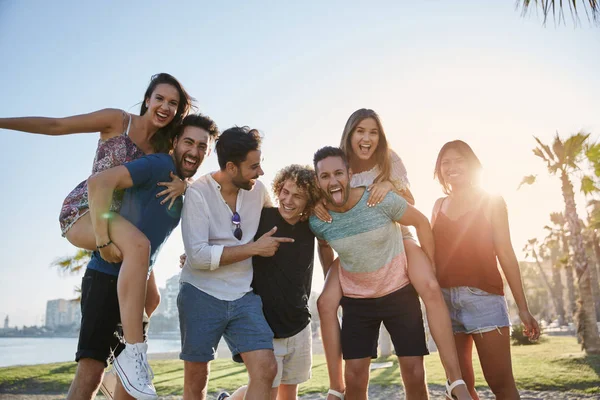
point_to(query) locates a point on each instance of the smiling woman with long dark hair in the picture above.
(472, 235)
(124, 137)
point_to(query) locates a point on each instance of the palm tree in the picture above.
(563, 160)
(537, 294)
(549, 7)
(560, 227)
(73, 265)
(592, 241)
(551, 244)
(530, 249)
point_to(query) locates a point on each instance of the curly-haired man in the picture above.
(283, 281)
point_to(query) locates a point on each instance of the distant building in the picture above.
(168, 298)
(61, 312)
(162, 308)
(6, 322)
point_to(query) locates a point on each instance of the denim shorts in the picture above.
(204, 319)
(473, 310)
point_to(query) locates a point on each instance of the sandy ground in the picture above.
(375, 393)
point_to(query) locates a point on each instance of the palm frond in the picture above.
(72, 264)
(592, 153)
(539, 153)
(557, 218)
(559, 148)
(527, 180)
(546, 148)
(550, 8)
(594, 203)
(574, 147)
(588, 186)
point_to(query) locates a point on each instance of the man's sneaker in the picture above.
(223, 396)
(109, 384)
(134, 371)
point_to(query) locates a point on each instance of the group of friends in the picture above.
(247, 269)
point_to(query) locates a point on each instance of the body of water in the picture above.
(26, 351)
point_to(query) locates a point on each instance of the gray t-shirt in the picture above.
(369, 244)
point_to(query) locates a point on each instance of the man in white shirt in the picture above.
(219, 220)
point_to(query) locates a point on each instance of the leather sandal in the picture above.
(450, 387)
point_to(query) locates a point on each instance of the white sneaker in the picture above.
(133, 370)
(109, 384)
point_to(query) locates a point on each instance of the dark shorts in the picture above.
(400, 312)
(100, 318)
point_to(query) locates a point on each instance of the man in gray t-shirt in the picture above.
(373, 274)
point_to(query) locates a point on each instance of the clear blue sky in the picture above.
(434, 70)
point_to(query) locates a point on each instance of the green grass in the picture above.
(557, 364)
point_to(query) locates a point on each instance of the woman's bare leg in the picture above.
(131, 285)
(81, 233)
(328, 304)
(464, 348)
(494, 355)
(421, 275)
(152, 296)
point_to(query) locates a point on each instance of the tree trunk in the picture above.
(594, 273)
(571, 290)
(587, 329)
(557, 286)
(546, 283)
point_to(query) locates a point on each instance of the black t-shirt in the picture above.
(283, 281)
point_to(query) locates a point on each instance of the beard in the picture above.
(241, 183)
(181, 165)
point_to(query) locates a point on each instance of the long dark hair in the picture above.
(382, 154)
(161, 141)
(473, 163)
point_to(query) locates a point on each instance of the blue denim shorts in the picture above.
(204, 319)
(473, 310)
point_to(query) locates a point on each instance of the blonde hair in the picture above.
(382, 153)
(304, 177)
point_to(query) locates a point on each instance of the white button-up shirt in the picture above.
(207, 228)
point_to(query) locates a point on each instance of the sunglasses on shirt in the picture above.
(237, 221)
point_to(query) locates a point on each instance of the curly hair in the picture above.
(304, 177)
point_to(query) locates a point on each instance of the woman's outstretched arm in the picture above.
(109, 122)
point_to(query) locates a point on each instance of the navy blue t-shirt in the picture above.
(141, 207)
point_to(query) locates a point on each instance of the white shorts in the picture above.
(294, 358)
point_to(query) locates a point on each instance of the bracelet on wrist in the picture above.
(104, 245)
